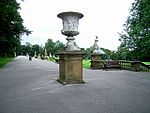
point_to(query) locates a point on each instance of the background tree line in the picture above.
(11, 27)
(135, 37)
(50, 46)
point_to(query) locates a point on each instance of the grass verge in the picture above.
(4, 61)
(86, 64)
(147, 63)
(51, 59)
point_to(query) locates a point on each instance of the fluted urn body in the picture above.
(70, 22)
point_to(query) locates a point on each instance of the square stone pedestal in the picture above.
(135, 65)
(70, 67)
(96, 62)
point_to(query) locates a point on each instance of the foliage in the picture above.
(120, 54)
(147, 63)
(53, 47)
(30, 49)
(88, 52)
(52, 59)
(36, 48)
(108, 54)
(11, 27)
(50, 47)
(86, 64)
(4, 60)
(136, 36)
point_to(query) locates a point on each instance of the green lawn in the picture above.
(86, 64)
(147, 63)
(51, 59)
(4, 61)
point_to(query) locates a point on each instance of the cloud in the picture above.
(102, 18)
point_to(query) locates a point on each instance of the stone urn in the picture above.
(70, 60)
(70, 22)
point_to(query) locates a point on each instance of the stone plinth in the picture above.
(96, 61)
(95, 57)
(70, 67)
(135, 66)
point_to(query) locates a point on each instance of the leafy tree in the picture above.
(136, 35)
(88, 52)
(36, 48)
(49, 46)
(22, 50)
(11, 27)
(30, 49)
(53, 47)
(108, 54)
(58, 46)
(25, 49)
(121, 53)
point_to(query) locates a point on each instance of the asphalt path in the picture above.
(31, 87)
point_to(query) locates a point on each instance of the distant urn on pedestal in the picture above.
(96, 49)
(96, 56)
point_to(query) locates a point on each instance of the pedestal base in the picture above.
(65, 82)
(70, 67)
(96, 64)
(135, 66)
(95, 61)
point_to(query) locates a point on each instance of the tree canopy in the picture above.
(135, 37)
(11, 27)
(53, 47)
(28, 48)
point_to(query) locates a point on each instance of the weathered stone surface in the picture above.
(97, 49)
(135, 66)
(70, 67)
(70, 22)
(95, 56)
(96, 61)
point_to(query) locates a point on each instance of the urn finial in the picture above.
(97, 49)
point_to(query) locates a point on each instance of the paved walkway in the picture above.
(31, 87)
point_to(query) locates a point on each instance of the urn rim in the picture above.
(61, 15)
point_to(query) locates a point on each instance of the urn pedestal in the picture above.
(70, 60)
(135, 66)
(96, 56)
(70, 67)
(96, 62)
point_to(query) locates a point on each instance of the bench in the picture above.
(111, 65)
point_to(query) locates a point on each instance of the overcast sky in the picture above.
(102, 18)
